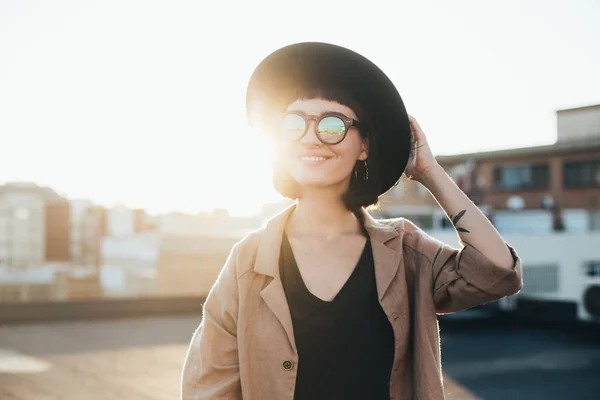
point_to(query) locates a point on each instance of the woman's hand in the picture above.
(421, 162)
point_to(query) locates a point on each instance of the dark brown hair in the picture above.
(361, 192)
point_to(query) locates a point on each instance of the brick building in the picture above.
(46, 242)
(562, 179)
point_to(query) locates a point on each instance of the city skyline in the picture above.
(127, 104)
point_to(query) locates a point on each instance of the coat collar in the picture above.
(386, 258)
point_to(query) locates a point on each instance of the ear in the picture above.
(364, 151)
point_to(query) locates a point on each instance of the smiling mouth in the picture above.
(312, 160)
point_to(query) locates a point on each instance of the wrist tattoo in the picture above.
(456, 219)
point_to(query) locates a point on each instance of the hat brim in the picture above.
(324, 64)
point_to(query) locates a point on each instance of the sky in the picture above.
(142, 102)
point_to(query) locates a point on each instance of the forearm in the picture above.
(470, 223)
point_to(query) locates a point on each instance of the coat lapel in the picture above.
(267, 263)
(386, 259)
(274, 296)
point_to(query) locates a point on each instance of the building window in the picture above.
(592, 269)
(520, 177)
(594, 221)
(582, 174)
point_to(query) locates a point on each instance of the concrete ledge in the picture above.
(33, 312)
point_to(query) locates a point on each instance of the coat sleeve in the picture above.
(465, 278)
(211, 368)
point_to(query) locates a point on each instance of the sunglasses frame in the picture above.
(348, 123)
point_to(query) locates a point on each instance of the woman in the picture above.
(325, 302)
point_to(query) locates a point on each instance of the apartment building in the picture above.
(49, 245)
(556, 185)
(34, 226)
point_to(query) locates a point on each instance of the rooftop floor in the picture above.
(130, 359)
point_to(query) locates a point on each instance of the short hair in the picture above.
(361, 192)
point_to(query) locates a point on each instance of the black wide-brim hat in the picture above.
(320, 65)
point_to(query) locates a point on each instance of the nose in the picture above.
(311, 137)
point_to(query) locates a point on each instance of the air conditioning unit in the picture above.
(589, 309)
(589, 304)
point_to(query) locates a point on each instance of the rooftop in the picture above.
(130, 359)
(566, 147)
(44, 192)
(587, 107)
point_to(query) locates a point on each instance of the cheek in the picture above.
(348, 151)
(345, 160)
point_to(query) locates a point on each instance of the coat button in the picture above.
(288, 365)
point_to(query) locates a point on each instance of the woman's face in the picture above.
(314, 164)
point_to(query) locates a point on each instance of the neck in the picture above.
(322, 213)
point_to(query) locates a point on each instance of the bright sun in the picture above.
(251, 173)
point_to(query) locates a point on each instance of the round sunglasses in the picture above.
(331, 127)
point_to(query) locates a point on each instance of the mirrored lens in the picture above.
(332, 129)
(293, 126)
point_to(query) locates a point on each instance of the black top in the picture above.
(346, 346)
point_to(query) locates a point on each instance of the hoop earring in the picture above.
(365, 175)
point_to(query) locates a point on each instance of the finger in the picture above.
(417, 132)
(413, 122)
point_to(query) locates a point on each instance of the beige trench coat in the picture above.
(244, 346)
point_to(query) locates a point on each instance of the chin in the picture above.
(316, 177)
(315, 184)
(316, 181)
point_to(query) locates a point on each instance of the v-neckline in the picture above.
(294, 269)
